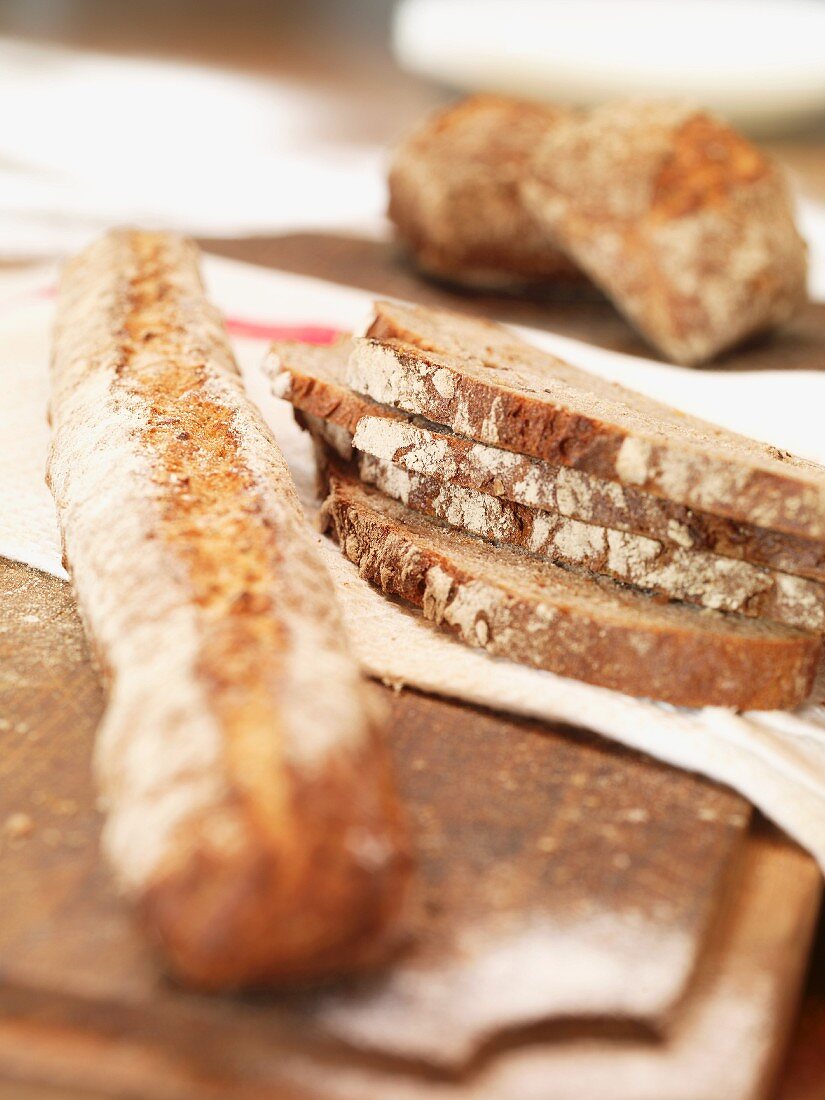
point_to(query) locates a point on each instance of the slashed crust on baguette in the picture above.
(585, 627)
(485, 383)
(250, 807)
(684, 224)
(313, 380)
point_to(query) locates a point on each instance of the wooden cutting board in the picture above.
(609, 877)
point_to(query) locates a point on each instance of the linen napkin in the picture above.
(776, 760)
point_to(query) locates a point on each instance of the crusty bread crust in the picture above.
(250, 809)
(314, 381)
(585, 627)
(455, 195)
(670, 571)
(486, 384)
(684, 224)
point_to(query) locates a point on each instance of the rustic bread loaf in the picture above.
(455, 194)
(314, 381)
(670, 571)
(684, 224)
(488, 385)
(250, 809)
(581, 626)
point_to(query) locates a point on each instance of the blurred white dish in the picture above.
(761, 63)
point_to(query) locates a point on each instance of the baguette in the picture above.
(488, 385)
(314, 381)
(588, 628)
(685, 225)
(677, 574)
(455, 197)
(250, 810)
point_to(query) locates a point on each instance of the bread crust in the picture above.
(454, 195)
(486, 384)
(250, 816)
(684, 224)
(588, 628)
(314, 381)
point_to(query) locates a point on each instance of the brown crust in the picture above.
(313, 381)
(293, 868)
(285, 911)
(455, 198)
(587, 628)
(677, 218)
(486, 384)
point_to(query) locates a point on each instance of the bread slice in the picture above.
(488, 385)
(423, 448)
(455, 195)
(684, 224)
(585, 627)
(677, 574)
(314, 381)
(250, 809)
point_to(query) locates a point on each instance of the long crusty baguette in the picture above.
(683, 223)
(585, 627)
(488, 385)
(455, 194)
(250, 808)
(314, 381)
(704, 579)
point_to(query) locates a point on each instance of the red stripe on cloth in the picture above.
(253, 330)
(306, 334)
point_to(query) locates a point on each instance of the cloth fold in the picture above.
(776, 760)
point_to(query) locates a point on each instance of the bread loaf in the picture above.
(455, 195)
(486, 384)
(586, 627)
(314, 381)
(250, 809)
(684, 224)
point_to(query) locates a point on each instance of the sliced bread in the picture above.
(488, 385)
(589, 628)
(700, 578)
(313, 379)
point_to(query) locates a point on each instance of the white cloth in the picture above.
(775, 760)
(89, 141)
